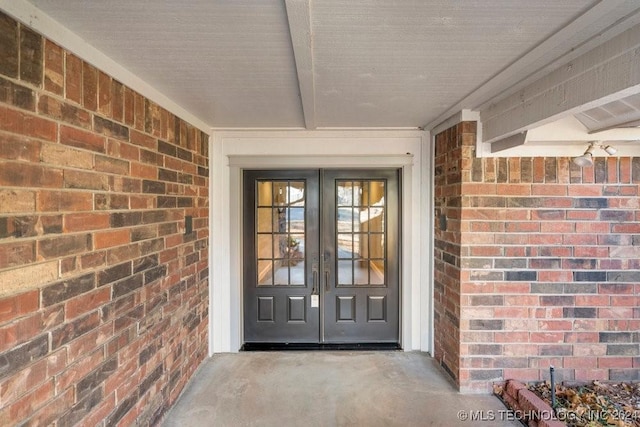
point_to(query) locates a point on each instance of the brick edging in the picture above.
(528, 406)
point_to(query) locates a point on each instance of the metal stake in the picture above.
(553, 386)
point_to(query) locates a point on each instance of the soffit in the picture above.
(392, 63)
(621, 113)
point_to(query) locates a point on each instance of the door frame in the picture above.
(320, 259)
(233, 151)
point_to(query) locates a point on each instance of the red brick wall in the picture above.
(451, 148)
(549, 266)
(103, 296)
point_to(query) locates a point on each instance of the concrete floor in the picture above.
(323, 388)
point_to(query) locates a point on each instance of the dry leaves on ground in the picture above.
(596, 404)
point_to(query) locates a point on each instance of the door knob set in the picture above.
(315, 289)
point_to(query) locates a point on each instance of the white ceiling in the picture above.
(352, 63)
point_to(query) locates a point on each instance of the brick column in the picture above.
(537, 264)
(451, 161)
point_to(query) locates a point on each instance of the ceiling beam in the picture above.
(299, 16)
(509, 142)
(606, 19)
(608, 72)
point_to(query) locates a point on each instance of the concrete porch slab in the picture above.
(329, 388)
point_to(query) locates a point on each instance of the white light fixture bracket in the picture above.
(587, 158)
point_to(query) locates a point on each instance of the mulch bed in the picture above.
(594, 405)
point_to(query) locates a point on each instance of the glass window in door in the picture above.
(280, 233)
(361, 251)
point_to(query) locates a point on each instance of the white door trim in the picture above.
(233, 151)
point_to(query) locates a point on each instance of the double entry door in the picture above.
(320, 256)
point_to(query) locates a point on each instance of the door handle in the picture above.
(327, 285)
(314, 288)
(327, 271)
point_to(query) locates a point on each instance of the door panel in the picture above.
(321, 256)
(360, 226)
(280, 243)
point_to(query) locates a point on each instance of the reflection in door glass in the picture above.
(280, 232)
(345, 221)
(345, 272)
(360, 232)
(376, 267)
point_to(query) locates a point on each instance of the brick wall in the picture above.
(103, 294)
(548, 265)
(451, 150)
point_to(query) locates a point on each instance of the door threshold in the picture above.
(267, 346)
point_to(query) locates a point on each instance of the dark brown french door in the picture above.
(321, 256)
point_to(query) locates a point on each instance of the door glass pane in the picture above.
(345, 245)
(361, 190)
(280, 246)
(297, 276)
(345, 193)
(265, 220)
(361, 219)
(296, 220)
(280, 232)
(345, 220)
(360, 235)
(265, 245)
(295, 249)
(296, 193)
(376, 245)
(376, 193)
(265, 193)
(280, 220)
(376, 269)
(281, 274)
(289, 247)
(345, 272)
(360, 245)
(361, 272)
(265, 271)
(375, 220)
(280, 191)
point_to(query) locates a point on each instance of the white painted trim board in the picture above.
(233, 151)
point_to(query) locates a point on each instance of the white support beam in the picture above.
(606, 19)
(299, 16)
(607, 72)
(509, 142)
